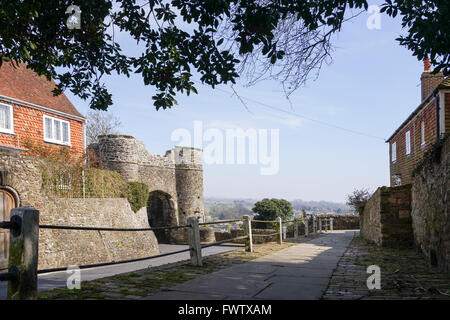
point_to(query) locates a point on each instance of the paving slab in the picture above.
(300, 272)
(179, 295)
(222, 284)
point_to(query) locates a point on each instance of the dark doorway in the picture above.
(161, 213)
(7, 203)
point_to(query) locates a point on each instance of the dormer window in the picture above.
(56, 130)
(6, 118)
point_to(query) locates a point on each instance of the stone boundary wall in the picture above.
(60, 248)
(22, 177)
(386, 219)
(239, 233)
(343, 221)
(431, 206)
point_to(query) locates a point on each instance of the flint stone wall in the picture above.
(343, 221)
(234, 233)
(431, 206)
(22, 177)
(59, 248)
(178, 173)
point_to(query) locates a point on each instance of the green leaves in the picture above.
(168, 53)
(271, 209)
(427, 32)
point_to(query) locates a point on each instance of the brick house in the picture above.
(29, 111)
(424, 126)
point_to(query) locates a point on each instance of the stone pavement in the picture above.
(405, 275)
(300, 271)
(48, 281)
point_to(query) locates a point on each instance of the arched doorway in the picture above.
(7, 202)
(161, 212)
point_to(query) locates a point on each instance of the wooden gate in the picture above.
(7, 203)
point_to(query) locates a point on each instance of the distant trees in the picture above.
(100, 123)
(358, 199)
(225, 211)
(271, 209)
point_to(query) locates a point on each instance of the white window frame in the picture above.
(422, 133)
(51, 140)
(408, 142)
(394, 152)
(11, 116)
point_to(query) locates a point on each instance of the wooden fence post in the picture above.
(23, 253)
(314, 225)
(248, 233)
(306, 223)
(194, 241)
(295, 228)
(280, 234)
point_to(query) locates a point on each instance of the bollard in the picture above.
(306, 223)
(194, 241)
(280, 240)
(23, 254)
(248, 233)
(331, 224)
(295, 229)
(320, 225)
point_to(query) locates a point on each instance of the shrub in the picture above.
(270, 210)
(137, 195)
(358, 199)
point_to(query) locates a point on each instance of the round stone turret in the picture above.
(189, 182)
(121, 153)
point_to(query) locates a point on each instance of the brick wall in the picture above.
(386, 219)
(29, 125)
(429, 82)
(405, 164)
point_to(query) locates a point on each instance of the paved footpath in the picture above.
(48, 281)
(300, 272)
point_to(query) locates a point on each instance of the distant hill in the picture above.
(229, 208)
(320, 206)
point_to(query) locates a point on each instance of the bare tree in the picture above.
(305, 50)
(358, 199)
(100, 123)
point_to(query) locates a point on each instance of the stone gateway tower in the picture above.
(175, 180)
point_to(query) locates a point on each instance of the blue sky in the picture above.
(371, 86)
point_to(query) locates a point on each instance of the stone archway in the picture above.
(161, 212)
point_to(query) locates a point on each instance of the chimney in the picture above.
(429, 80)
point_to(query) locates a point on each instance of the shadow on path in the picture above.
(300, 272)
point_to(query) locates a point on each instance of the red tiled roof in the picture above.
(24, 84)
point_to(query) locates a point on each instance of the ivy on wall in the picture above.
(66, 176)
(137, 195)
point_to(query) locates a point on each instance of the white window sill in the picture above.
(6, 131)
(60, 143)
(423, 145)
